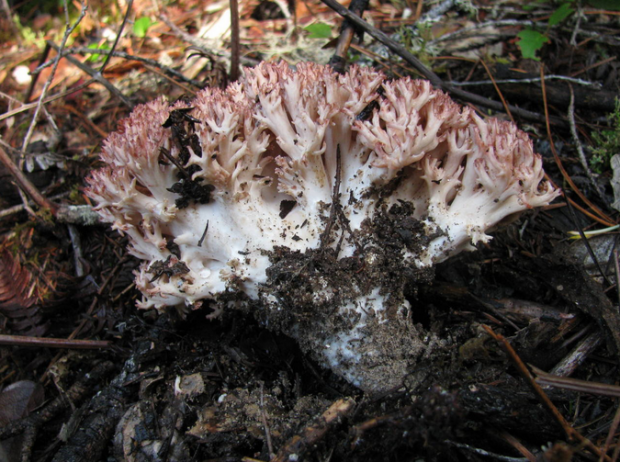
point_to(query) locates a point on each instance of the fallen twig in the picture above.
(558, 161)
(68, 30)
(571, 433)
(582, 155)
(25, 185)
(95, 75)
(234, 40)
(583, 386)
(347, 32)
(428, 74)
(298, 444)
(43, 342)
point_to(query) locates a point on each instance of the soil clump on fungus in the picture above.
(312, 287)
(85, 376)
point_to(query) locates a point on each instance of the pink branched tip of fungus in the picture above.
(256, 165)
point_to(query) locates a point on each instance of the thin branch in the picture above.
(335, 202)
(312, 434)
(20, 207)
(557, 159)
(68, 30)
(95, 76)
(129, 57)
(35, 75)
(234, 40)
(474, 83)
(582, 155)
(117, 38)
(428, 74)
(49, 99)
(74, 394)
(24, 184)
(571, 433)
(611, 434)
(42, 342)
(347, 32)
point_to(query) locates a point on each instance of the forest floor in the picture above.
(532, 317)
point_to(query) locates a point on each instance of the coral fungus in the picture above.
(320, 197)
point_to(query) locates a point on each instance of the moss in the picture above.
(607, 142)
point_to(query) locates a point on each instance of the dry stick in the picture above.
(312, 434)
(98, 76)
(381, 60)
(335, 202)
(347, 31)
(418, 10)
(558, 161)
(68, 30)
(577, 356)
(571, 433)
(582, 156)
(586, 212)
(383, 38)
(473, 83)
(515, 443)
(129, 57)
(95, 75)
(28, 438)
(20, 207)
(427, 73)
(43, 342)
(82, 118)
(35, 74)
(49, 99)
(593, 66)
(118, 36)
(583, 386)
(25, 184)
(234, 40)
(76, 214)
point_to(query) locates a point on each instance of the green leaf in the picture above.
(95, 56)
(530, 42)
(319, 30)
(141, 26)
(559, 15)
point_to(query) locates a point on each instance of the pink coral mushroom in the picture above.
(291, 167)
